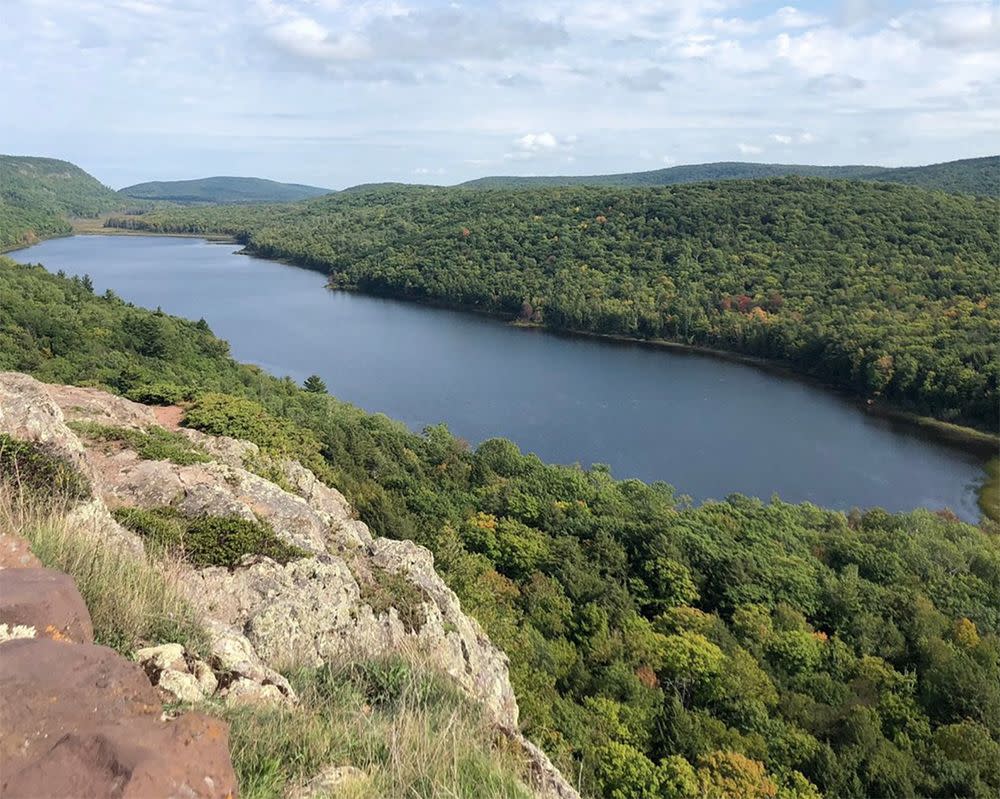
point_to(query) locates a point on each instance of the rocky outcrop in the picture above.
(78, 720)
(352, 595)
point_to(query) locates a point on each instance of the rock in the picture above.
(94, 405)
(180, 686)
(234, 658)
(329, 782)
(207, 681)
(158, 658)
(93, 519)
(79, 720)
(28, 413)
(46, 600)
(15, 553)
(248, 692)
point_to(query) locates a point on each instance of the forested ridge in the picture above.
(37, 194)
(885, 290)
(736, 649)
(222, 190)
(969, 175)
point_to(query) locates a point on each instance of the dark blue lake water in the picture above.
(707, 426)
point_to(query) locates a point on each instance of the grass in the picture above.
(154, 444)
(206, 540)
(408, 729)
(133, 601)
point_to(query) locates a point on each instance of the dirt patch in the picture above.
(168, 416)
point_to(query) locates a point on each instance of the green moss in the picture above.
(207, 540)
(154, 444)
(38, 472)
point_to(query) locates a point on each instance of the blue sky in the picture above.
(335, 93)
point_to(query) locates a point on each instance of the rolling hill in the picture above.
(222, 191)
(968, 176)
(37, 194)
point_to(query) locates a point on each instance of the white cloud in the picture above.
(749, 149)
(536, 142)
(781, 138)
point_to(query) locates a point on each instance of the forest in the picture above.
(735, 649)
(883, 290)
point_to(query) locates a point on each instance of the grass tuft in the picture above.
(407, 728)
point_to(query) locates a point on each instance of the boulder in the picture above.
(180, 686)
(15, 553)
(79, 720)
(46, 600)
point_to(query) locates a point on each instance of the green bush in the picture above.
(207, 540)
(154, 444)
(159, 393)
(39, 473)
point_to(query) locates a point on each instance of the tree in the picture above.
(314, 384)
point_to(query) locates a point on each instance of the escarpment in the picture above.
(279, 568)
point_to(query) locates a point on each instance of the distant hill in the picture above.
(970, 176)
(37, 194)
(223, 191)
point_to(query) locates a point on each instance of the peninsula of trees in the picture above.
(885, 290)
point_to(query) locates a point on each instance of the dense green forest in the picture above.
(969, 176)
(884, 290)
(736, 649)
(37, 194)
(222, 190)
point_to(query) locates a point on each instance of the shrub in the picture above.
(154, 444)
(39, 473)
(159, 393)
(207, 540)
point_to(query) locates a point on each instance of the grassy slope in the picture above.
(223, 190)
(971, 176)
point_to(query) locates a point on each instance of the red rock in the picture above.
(79, 720)
(46, 600)
(15, 553)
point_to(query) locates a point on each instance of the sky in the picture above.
(336, 93)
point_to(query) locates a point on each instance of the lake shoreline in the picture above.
(979, 441)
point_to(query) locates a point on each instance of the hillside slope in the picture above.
(273, 562)
(37, 194)
(970, 176)
(222, 190)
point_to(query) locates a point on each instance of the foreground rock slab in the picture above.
(79, 720)
(46, 600)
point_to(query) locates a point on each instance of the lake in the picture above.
(708, 426)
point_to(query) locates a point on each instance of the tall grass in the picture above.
(133, 601)
(408, 729)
